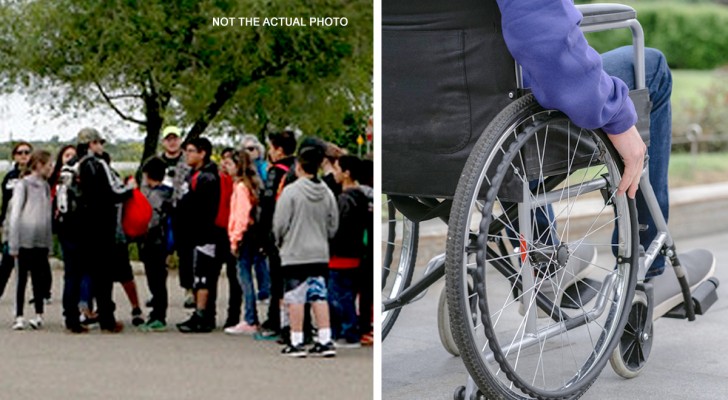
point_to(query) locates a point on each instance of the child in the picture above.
(244, 241)
(347, 252)
(153, 249)
(305, 218)
(30, 234)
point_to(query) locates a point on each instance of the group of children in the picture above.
(303, 234)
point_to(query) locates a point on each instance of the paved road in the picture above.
(51, 364)
(688, 360)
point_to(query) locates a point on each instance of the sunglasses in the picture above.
(22, 152)
(251, 148)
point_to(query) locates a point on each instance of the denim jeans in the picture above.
(342, 293)
(619, 63)
(249, 256)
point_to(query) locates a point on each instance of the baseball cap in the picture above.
(171, 130)
(88, 135)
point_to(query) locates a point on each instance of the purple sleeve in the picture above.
(563, 71)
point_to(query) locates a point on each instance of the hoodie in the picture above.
(30, 215)
(305, 218)
(347, 247)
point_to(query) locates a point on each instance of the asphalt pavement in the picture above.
(51, 364)
(689, 360)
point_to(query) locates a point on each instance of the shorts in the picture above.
(206, 267)
(307, 290)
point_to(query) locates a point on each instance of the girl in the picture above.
(243, 243)
(30, 234)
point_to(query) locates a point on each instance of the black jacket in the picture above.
(8, 184)
(100, 193)
(197, 209)
(354, 219)
(270, 190)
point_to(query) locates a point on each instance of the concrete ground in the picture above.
(688, 359)
(52, 364)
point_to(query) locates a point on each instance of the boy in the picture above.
(305, 218)
(347, 252)
(153, 249)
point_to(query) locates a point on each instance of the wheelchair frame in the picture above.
(596, 18)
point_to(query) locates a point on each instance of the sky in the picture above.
(20, 119)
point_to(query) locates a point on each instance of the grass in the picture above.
(687, 86)
(686, 170)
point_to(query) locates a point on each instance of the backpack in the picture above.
(226, 192)
(137, 213)
(286, 169)
(68, 192)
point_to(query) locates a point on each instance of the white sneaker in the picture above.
(19, 324)
(242, 329)
(37, 322)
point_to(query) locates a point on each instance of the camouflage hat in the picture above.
(171, 130)
(88, 135)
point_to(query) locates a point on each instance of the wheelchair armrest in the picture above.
(605, 13)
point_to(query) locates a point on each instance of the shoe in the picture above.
(88, 320)
(367, 339)
(242, 329)
(19, 324)
(323, 350)
(117, 328)
(266, 334)
(294, 351)
(343, 344)
(77, 329)
(136, 317)
(190, 300)
(195, 324)
(580, 263)
(36, 323)
(230, 321)
(153, 326)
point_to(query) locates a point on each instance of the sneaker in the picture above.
(79, 329)
(242, 329)
(36, 323)
(136, 317)
(577, 267)
(19, 324)
(195, 324)
(153, 326)
(117, 328)
(231, 321)
(189, 299)
(266, 334)
(323, 350)
(294, 351)
(367, 339)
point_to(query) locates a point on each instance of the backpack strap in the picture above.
(282, 182)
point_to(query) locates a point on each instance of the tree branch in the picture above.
(116, 109)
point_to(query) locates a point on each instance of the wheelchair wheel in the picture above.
(631, 355)
(400, 254)
(443, 325)
(531, 229)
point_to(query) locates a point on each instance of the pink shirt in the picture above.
(240, 206)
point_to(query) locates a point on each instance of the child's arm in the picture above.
(16, 205)
(282, 216)
(333, 218)
(239, 215)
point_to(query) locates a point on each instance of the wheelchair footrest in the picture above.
(582, 291)
(704, 296)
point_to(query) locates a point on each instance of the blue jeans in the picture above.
(249, 256)
(262, 275)
(342, 292)
(619, 63)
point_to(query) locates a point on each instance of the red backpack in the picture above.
(136, 215)
(226, 192)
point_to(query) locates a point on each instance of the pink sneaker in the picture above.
(242, 329)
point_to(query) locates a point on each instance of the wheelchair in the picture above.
(545, 276)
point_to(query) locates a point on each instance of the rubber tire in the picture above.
(443, 325)
(408, 271)
(617, 361)
(516, 112)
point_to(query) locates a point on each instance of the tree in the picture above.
(157, 62)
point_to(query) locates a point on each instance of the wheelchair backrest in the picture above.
(446, 74)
